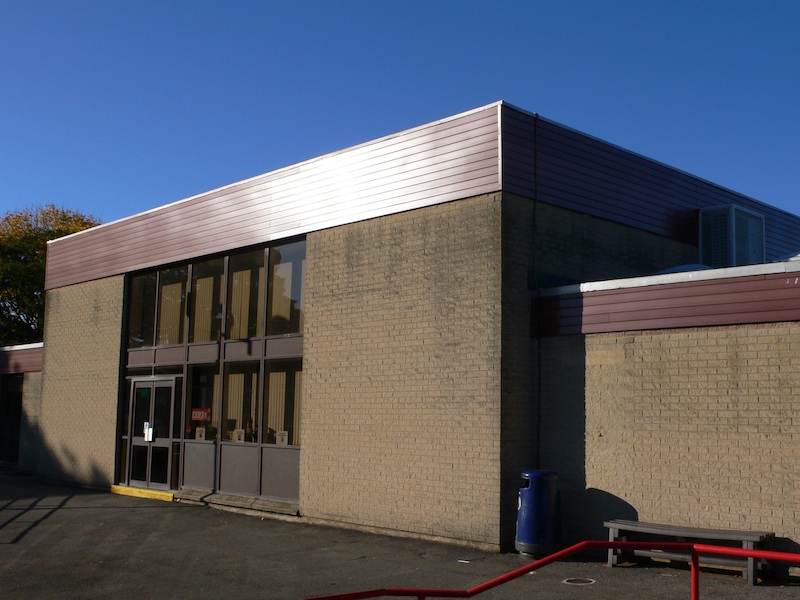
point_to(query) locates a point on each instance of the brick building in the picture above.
(386, 336)
(688, 384)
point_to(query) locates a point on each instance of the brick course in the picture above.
(580, 248)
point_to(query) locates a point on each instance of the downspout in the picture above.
(534, 284)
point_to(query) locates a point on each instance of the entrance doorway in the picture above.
(155, 434)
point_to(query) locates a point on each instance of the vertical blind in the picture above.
(203, 309)
(276, 403)
(170, 314)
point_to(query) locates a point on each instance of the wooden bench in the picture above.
(621, 530)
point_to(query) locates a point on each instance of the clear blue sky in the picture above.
(114, 107)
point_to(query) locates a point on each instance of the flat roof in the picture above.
(790, 266)
(22, 347)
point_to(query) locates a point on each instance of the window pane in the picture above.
(282, 402)
(162, 405)
(142, 310)
(749, 238)
(167, 370)
(139, 463)
(141, 410)
(171, 298)
(202, 402)
(206, 309)
(286, 274)
(241, 402)
(245, 295)
(159, 457)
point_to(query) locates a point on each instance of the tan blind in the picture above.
(169, 314)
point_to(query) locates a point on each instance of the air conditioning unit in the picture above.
(731, 236)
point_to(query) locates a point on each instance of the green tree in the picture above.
(23, 251)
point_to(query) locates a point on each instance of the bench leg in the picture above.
(612, 554)
(751, 564)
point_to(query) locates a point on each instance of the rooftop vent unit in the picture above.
(731, 236)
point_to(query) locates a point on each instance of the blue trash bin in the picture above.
(538, 514)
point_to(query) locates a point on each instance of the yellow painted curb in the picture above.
(141, 493)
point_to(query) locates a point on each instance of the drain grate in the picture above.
(578, 581)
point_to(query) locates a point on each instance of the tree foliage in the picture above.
(23, 252)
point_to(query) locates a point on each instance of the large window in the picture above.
(142, 310)
(158, 314)
(202, 402)
(206, 301)
(285, 307)
(245, 296)
(171, 298)
(282, 402)
(241, 402)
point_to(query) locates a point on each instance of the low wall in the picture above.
(698, 426)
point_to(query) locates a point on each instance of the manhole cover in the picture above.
(578, 581)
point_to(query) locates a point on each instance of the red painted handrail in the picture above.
(693, 549)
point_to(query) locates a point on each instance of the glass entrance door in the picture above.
(155, 451)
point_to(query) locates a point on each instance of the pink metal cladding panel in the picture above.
(693, 549)
(21, 359)
(477, 152)
(738, 300)
(439, 162)
(767, 298)
(568, 168)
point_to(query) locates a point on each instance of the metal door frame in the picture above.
(137, 438)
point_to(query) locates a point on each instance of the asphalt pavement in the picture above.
(64, 542)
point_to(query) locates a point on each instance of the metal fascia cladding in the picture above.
(449, 159)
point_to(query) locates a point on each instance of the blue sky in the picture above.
(114, 107)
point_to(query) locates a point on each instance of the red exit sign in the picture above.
(201, 414)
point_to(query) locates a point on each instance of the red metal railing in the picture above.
(694, 550)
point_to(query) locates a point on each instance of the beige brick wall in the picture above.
(563, 427)
(29, 427)
(698, 426)
(543, 379)
(519, 408)
(403, 360)
(585, 248)
(401, 427)
(80, 379)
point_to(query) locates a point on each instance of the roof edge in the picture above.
(31, 346)
(790, 267)
(490, 106)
